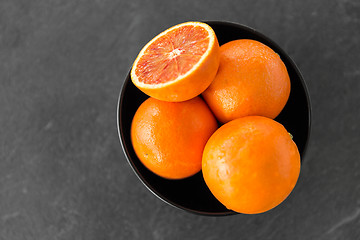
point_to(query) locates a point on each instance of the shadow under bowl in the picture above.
(192, 194)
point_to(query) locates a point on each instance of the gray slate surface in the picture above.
(62, 171)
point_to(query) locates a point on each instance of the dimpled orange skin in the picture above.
(251, 164)
(169, 138)
(251, 80)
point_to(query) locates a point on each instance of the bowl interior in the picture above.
(192, 194)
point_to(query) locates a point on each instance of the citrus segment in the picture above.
(169, 137)
(179, 63)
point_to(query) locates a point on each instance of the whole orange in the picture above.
(169, 137)
(251, 164)
(251, 80)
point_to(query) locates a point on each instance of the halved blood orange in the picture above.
(179, 63)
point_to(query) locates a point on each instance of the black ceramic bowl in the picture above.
(192, 194)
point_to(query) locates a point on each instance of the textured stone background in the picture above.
(63, 174)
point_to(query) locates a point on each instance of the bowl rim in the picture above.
(122, 137)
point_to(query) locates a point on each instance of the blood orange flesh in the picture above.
(172, 55)
(179, 63)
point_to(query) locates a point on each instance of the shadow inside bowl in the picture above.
(192, 194)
